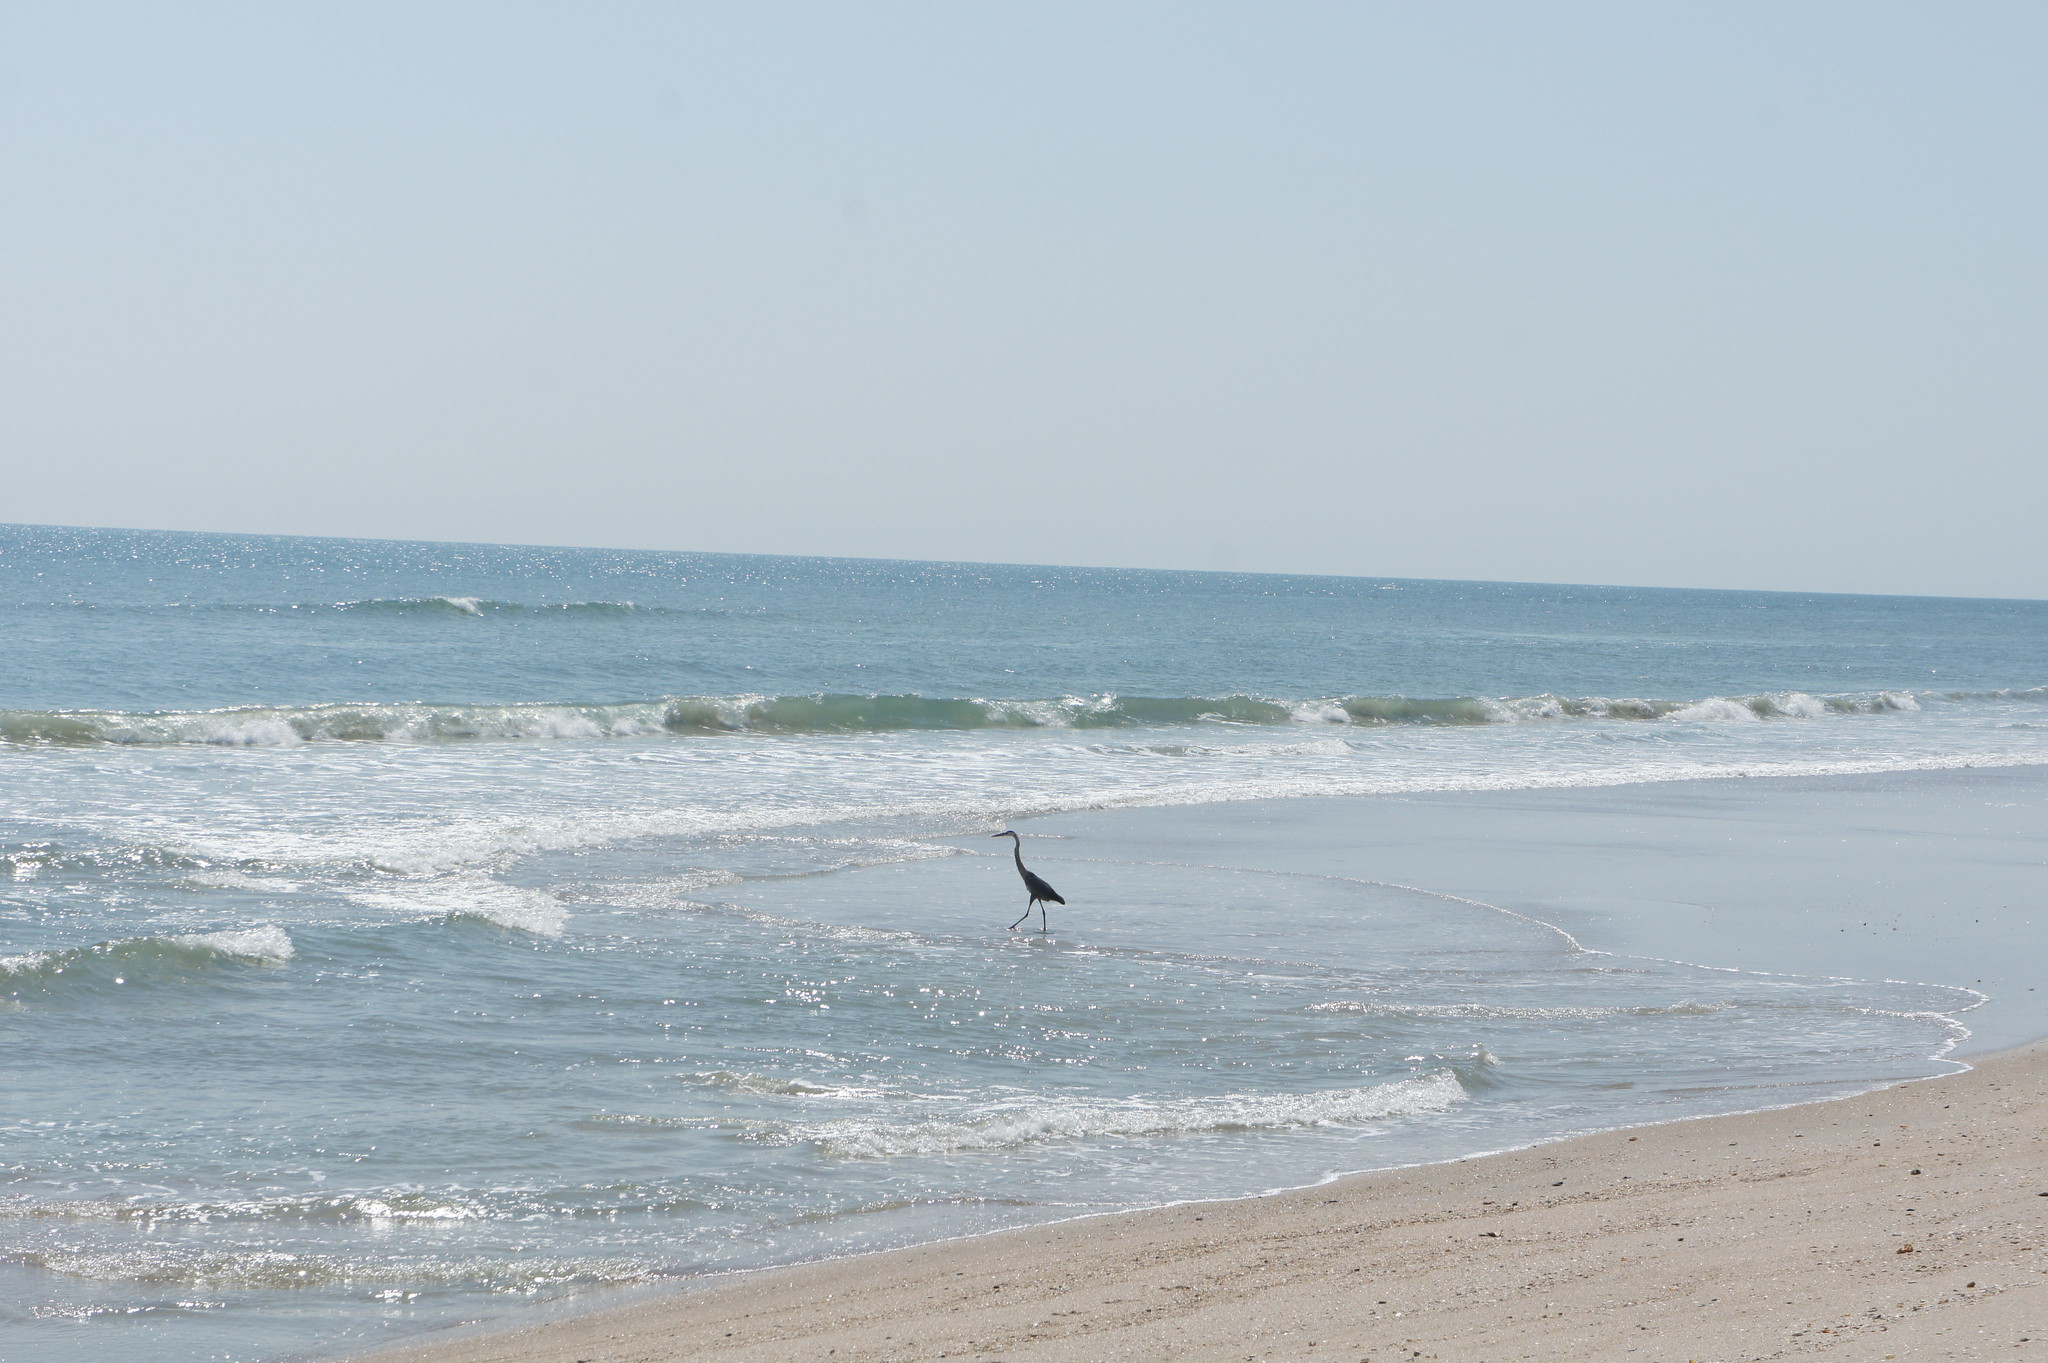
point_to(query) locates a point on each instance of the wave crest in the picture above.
(828, 713)
(469, 899)
(265, 944)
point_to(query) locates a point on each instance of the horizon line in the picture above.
(1001, 563)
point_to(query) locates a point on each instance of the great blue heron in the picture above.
(1040, 891)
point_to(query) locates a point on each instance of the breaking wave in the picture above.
(471, 899)
(415, 722)
(1028, 1123)
(268, 943)
(24, 861)
(141, 956)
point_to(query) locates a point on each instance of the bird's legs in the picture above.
(1038, 904)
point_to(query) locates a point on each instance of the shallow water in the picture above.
(397, 933)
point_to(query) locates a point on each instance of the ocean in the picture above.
(394, 934)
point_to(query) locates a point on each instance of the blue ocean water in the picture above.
(395, 933)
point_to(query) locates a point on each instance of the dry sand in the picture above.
(1907, 1224)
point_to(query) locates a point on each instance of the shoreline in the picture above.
(1665, 844)
(1909, 1221)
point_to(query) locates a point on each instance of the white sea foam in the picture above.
(221, 880)
(643, 1122)
(773, 1085)
(1027, 1123)
(394, 1205)
(229, 1268)
(900, 793)
(742, 1082)
(1715, 707)
(401, 1208)
(228, 879)
(471, 897)
(268, 943)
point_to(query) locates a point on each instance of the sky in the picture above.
(1730, 295)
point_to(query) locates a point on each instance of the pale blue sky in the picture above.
(1703, 295)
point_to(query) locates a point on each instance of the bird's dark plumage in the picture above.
(1041, 893)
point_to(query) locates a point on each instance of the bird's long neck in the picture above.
(1017, 850)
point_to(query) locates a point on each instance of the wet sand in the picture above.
(1907, 1224)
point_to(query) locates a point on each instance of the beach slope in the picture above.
(1910, 1223)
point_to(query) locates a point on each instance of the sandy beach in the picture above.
(1906, 1224)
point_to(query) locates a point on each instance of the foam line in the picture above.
(413, 722)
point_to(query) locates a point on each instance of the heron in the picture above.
(1041, 892)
